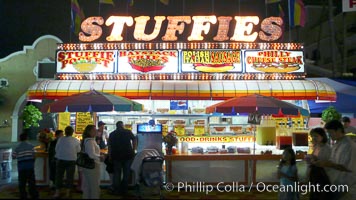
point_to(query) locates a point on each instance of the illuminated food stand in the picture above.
(193, 75)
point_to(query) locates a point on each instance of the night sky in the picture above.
(24, 21)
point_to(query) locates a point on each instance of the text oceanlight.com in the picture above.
(260, 187)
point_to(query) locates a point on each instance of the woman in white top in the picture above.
(67, 148)
(91, 177)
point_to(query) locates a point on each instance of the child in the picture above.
(288, 175)
(25, 154)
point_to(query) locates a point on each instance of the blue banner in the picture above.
(179, 105)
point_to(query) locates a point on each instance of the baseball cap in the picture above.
(101, 123)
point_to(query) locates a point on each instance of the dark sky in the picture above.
(23, 21)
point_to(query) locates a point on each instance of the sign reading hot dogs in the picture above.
(146, 61)
(211, 61)
(274, 61)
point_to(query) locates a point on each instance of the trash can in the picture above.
(5, 165)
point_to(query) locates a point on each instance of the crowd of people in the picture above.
(327, 165)
(333, 165)
(62, 156)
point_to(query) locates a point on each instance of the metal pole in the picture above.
(332, 37)
(344, 69)
(289, 19)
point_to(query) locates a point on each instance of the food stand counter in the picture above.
(213, 168)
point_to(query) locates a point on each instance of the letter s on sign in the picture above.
(271, 26)
(88, 27)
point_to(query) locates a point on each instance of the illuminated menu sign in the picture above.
(184, 61)
(274, 61)
(147, 61)
(86, 61)
(211, 61)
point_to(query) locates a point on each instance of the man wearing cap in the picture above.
(102, 135)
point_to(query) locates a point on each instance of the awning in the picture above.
(183, 89)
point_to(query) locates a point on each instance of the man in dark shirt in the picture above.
(51, 157)
(122, 145)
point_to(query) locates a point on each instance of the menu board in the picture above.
(82, 120)
(86, 61)
(274, 61)
(148, 61)
(63, 120)
(211, 61)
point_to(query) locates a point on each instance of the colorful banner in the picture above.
(86, 61)
(217, 139)
(148, 61)
(274, 61)
(63, 120)
(211, 61)
(82, 120)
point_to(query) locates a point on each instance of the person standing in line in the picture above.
(321, 151)
(110, 170)
(347, 127)
(52, 159)
(66, 149)
(122, 145)
(101, 135)
(25, 155)
(342, 162)
(91, 177)
(288, 175)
